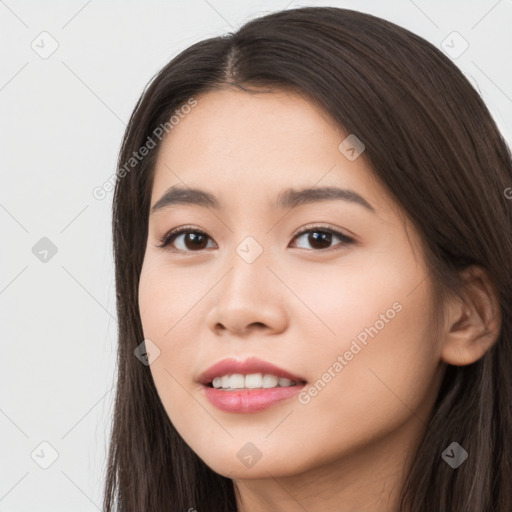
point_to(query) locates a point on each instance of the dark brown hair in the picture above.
(433, 144)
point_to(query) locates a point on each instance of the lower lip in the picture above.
(250, 400)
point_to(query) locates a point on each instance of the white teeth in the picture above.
(236, 381)
(253, 380)
(250, 381)
(270, 381)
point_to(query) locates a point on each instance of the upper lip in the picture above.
(230, 366)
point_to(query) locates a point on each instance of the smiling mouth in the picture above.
(252, 381)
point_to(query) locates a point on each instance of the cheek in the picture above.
(168, 303)
(369, 341)
(361, 298)
(381, 356)
(168, 298)
(167, 316)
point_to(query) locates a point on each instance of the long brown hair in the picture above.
(432, 143)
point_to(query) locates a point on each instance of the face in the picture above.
(330, 290)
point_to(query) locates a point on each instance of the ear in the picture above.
(473, 321)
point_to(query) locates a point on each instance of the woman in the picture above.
(312, 242)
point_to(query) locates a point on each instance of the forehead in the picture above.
(228, 122)
(241, 146)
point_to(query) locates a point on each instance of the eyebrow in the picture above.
(288, 198)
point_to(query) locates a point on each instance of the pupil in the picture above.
(195, 238)
(321, 236)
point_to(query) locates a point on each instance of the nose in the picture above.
(249, 298)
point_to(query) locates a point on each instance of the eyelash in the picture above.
(345, 240)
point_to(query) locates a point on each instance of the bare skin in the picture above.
(299, 306)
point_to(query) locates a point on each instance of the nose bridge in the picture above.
(248, 274)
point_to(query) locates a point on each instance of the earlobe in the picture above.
(473, 321)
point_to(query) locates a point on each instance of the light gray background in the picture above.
(61, 123)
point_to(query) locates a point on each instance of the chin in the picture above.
(241, 466)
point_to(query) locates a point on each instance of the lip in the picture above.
(248, 400)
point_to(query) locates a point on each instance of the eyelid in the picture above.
(177, 231)
(319, 226)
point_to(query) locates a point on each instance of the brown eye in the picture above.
(193, 240)
(320, 238)
(189, 240)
